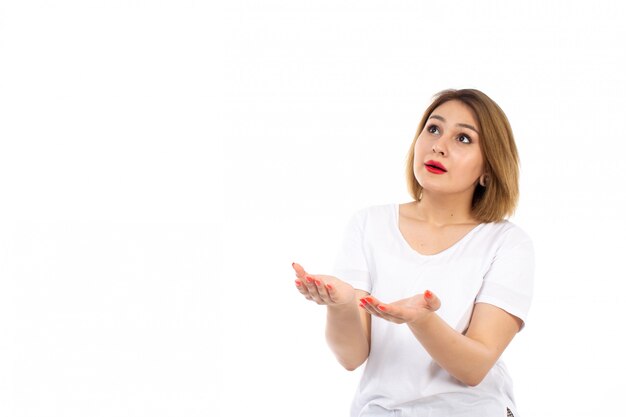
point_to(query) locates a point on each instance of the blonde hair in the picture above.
(498, 199)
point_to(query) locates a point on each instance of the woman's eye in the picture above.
(465, 139)
(433, 129)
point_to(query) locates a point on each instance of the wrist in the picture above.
(341, 307)
(423, 322)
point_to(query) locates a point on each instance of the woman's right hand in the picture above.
(323, 289)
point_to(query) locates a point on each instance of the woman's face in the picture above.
(449, 138)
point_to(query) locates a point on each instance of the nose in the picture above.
(439, 148)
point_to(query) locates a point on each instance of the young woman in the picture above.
(432, 291)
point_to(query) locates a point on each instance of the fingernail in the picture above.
(363, 300)
(329, 287)
(318, 282)
(309, 279)
(368, 299)
(428, 294)
(361, 305)
(383, 308)
(298, 283)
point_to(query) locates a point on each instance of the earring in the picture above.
(420, 196)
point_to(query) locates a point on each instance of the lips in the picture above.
(435, 167)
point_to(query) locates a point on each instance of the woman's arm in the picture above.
(467, 357)
(348, 332)
(347, 328)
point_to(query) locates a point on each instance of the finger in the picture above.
(383, 311)
(433, 301)
(391, 313)
(300, 272)
(380, 313)
(312, 287)
(366, 302)
(368, 309)
(332, 292)
(303, 289)
(322, 291)
(397, 318)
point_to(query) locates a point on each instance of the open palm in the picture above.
(323, 289)
(407, 310)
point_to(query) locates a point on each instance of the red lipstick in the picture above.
(435, 167)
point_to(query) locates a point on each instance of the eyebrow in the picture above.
(436, 116)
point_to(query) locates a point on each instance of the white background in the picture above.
(162, 163)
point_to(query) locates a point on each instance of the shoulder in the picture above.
(506, 234)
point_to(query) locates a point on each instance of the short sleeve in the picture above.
(508, 283)
(350, 264)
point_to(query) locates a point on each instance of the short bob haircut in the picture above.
(498, 199)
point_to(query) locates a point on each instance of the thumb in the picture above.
(433, 301)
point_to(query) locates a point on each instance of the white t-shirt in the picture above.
(493, 263)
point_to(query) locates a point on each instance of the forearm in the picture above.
(464, 358)
(346, 336)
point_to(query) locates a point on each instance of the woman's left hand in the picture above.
(407, 310)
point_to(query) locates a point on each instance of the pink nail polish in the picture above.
(382, 308)
(298, 283)
(428, 294)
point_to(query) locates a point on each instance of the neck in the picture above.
(445, 209)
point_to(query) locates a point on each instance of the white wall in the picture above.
(163, 163)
